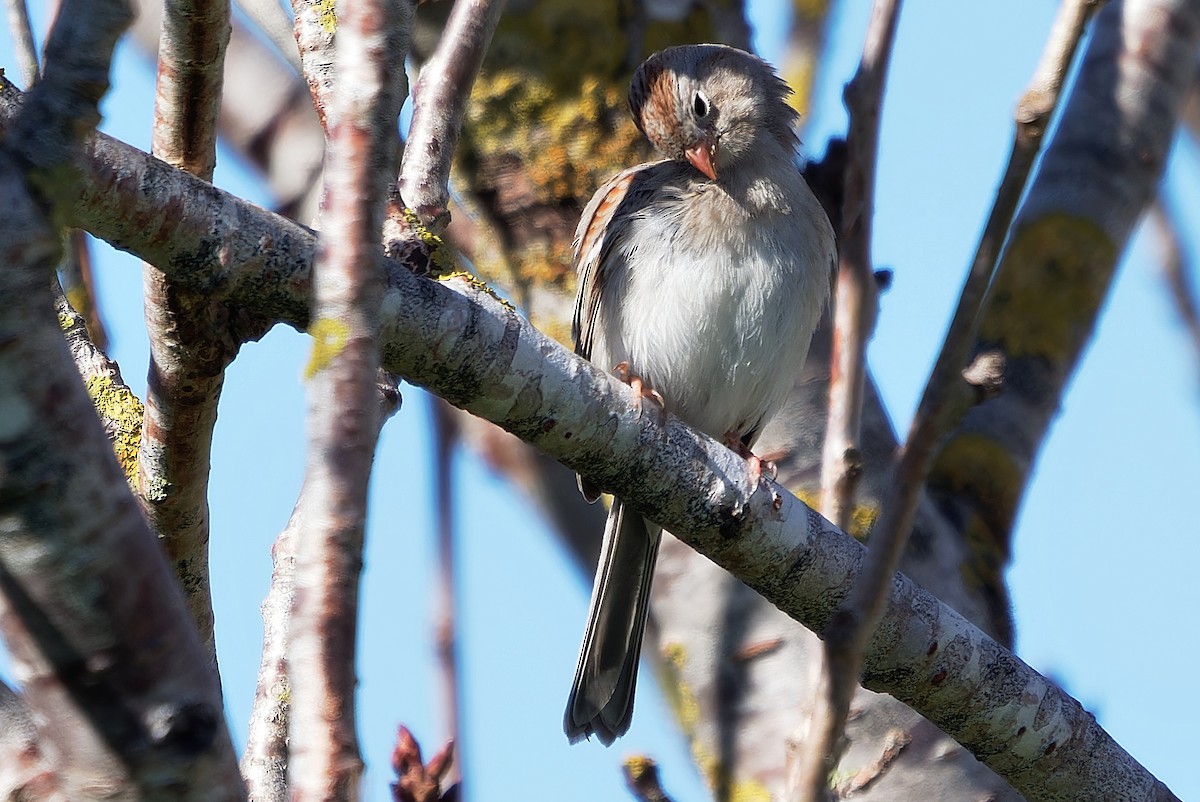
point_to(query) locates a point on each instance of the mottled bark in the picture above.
(189, 347)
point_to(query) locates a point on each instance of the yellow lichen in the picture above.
(439, 254)
(1053, 276)
(479, 285)
(327, 14)
(978, 466)
(563, 123)
(680, 697)
(862, 516)
(716, 776)
(329, 338)
(637, 766)
(121, 412)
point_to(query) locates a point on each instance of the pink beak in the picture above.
(701, 156)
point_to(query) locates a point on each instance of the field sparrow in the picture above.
(701, 277)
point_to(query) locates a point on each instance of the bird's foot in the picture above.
(644, 392)
(756, 465)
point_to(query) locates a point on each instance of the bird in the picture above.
(701, 278)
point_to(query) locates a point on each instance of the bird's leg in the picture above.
(735, 444)
(643, 390)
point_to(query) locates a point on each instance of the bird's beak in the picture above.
(702, 155)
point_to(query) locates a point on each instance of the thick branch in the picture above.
(113, 672)
(457, 340)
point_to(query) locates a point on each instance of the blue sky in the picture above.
(1105, 546)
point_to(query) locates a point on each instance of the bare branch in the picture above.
(1177, 267)
(445, 615)
(23, 42)
(856, 304)
(188, 350)
(80, 285)
(343, 417)
(439, 101)
(851, 629)
(264, 764)
(191, 59)
(315, 24)
(269, 120)
(856, 307)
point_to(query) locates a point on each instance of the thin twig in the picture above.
(856, 307)
(343, 418)
(445, 616)
(188, 353)
(856, 296)
(946, 394)
(265, 762)
(1177, 267)
(439, 101)
(23, 41)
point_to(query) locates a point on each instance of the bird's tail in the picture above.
(601, 700)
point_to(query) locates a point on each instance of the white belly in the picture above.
(722, 333)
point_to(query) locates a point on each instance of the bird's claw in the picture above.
(756, 465)
(643, 391)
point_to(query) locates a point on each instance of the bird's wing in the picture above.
(605, 222)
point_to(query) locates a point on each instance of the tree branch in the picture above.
(265, 762)
(1092, 186)
(23, 43)
(445, 623)
(343, 409)
(189, 349)
(855, 297)
(439, 101)
(851, 628)
(811, 761)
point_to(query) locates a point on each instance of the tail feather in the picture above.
(601, 700)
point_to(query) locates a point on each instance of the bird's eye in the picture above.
(701, 106)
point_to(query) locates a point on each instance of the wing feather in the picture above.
(604, 224)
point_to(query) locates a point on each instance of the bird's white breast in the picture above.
(717, 307)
